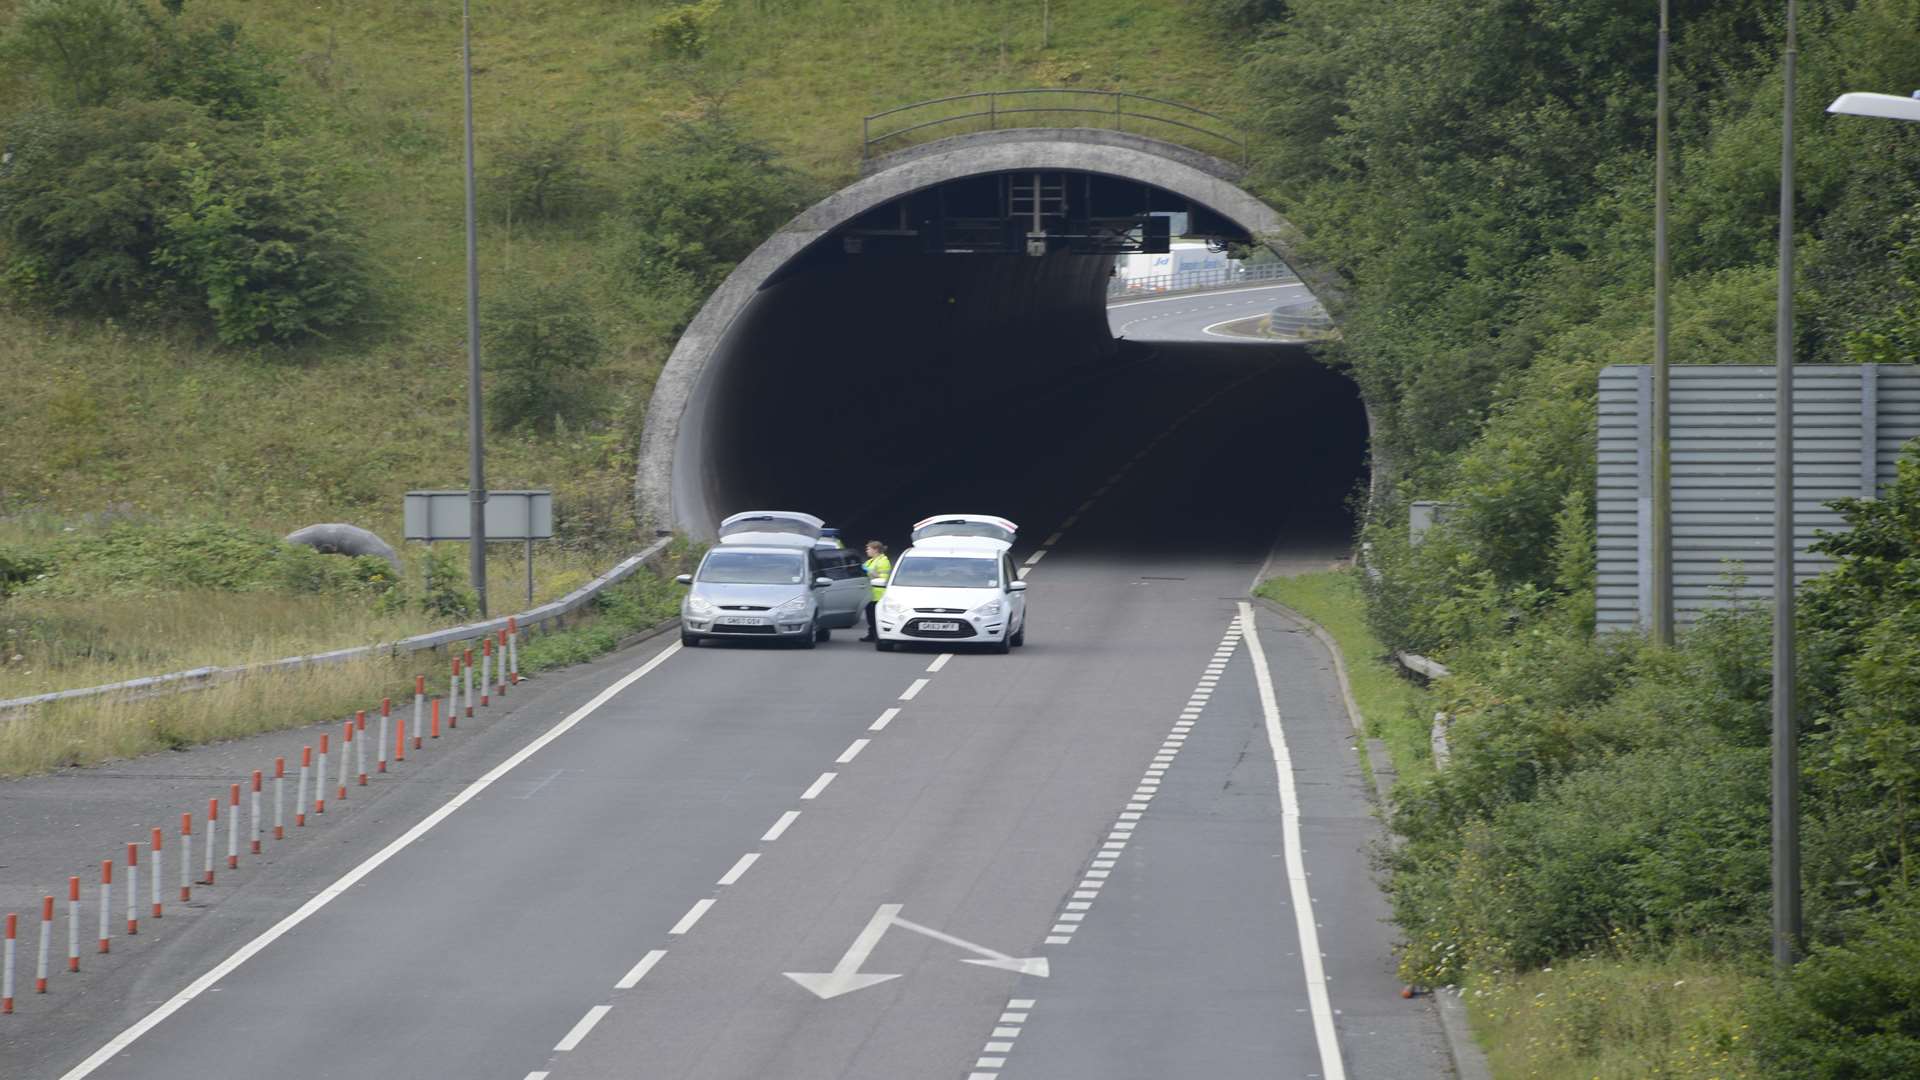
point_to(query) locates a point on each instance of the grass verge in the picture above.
(1395, 711)
(638, 603)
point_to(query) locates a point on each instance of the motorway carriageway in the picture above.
(1097, 857)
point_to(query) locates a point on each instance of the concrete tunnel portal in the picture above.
(916, 325)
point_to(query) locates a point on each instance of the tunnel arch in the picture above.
(676, 475)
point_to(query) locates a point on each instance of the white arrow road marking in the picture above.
(846, 976)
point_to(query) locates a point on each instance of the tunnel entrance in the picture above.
(937, 337)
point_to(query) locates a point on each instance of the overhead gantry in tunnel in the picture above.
(937, 324)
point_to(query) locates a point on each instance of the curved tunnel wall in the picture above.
(815, 381)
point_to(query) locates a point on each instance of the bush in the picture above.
(543, 351)
(1850, 1012)
(682, 32)
(131, 560)
(445, 592)
(158, 212)
(541, 175)
(86, 52)
(217, 68)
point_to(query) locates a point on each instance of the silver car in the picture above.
(773, 576)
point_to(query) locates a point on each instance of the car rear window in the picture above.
(752, 568)
(947, 572)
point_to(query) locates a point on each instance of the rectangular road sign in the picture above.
(511, 515)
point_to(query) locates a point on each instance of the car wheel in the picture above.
(823, 634)
(689, 641)
(883, 645)
(810, 638)
(1020, 636)
(1004, 645)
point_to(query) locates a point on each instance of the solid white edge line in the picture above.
(1331, 1066)
(818, 786)
(739, 868)
(780, 826)
(692, 916)
(913, 691)
(580, 1030)
(632, 978)
(352, 877)
(1217, 292)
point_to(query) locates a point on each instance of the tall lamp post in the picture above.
(1786, 744)
(1662, 554)
(476, 435)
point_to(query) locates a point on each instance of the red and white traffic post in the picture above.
(360, 745)
(279, 798)
(73, 924)
(320, 778)
(106, 903)
(380, 744)
(453, 694)
(213, 836)
(419, 713)
(466, 670)
(154, 850)
(46, 946)
(186, 857)
(300, 793)
(233, 829)
(253, 818)
(513, 651)
(500, 667)
(133, 889)
(486, 671)
(346, 751)
(6, 964)
(436, 717)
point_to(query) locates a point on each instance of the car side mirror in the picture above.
(1016, 586)
(879, 582)
(822, 582)
(684, 579)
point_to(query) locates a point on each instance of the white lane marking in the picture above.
(818, 786)
(632, 978)
(580, 1030)
(537, 1075)
(739, 868)
(1019, 1003)
(885, 719)
(692, 916)
(1084, 507)
(352, 877)
(1072, 519)
(1013, 1018)
(780, 826)
(1051, 540)
(1036, 557)
(914, 690)
(852, 751)
(939, 662)
(1331, 1066)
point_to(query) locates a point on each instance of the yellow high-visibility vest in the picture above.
(878, 566)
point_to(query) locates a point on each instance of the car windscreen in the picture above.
(947, 572)
(752, 568)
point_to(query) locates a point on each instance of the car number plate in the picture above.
(740, 620)
(939, 624)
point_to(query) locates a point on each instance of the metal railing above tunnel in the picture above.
(994, 110)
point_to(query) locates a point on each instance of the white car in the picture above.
(955, 584)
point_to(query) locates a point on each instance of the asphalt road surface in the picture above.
(1137, 847)
(1190, 317)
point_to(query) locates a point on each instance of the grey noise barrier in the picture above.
(200, 678)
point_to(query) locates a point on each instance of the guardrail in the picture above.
(1196, 280)
(198, 678)
(1115, 110)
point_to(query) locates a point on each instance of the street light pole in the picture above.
(476, 435)
(1662, 555)
(1786, 746)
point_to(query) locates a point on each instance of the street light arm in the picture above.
(1884, 106)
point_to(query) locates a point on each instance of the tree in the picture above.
(543, 350)
(88, 52)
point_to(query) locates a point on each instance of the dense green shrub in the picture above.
(445, 591)
(156, 211)
(85, 52)
(137, 559)
(1852, 1011)
(540, 174)
(683, 31)
(542, 351)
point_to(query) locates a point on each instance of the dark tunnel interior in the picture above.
(873, 384)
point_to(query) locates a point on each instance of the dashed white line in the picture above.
(885, 719)
(540, 1074)
(1036, 556)
(739, 868)
(914, 690)
(632, 978)
(692, 916)
(813, 791)
(780, 826)
(580, 1030)
(851, 752)
(939, 662)
(1051, 540)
